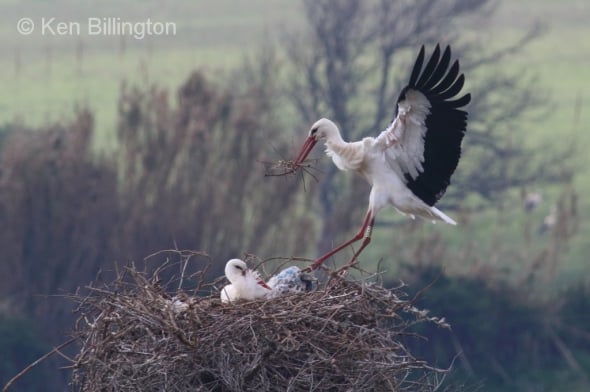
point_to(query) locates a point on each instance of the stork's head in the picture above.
(235, 269)
(322, 129)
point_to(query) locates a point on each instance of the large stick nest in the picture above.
(346, 336)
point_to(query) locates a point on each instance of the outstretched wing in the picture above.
(424, 139)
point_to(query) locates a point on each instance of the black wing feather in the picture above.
(446, 123)
(417, 66)
(440, 70)
(448, 80)
(430, 67)
(457, 103)
(454, 89)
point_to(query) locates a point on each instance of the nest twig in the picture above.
(346, 336)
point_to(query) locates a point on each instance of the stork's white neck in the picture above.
(334, 142)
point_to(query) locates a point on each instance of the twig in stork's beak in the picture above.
(291, 167)
(305, 149)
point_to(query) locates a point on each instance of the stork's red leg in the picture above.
(366, 228)
(366, 242)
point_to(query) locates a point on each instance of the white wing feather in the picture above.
(348, 156)
(229, 294)
(403, 140)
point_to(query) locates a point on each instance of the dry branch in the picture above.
(286, 167)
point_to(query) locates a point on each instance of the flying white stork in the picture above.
(410, 163)
(245, 284)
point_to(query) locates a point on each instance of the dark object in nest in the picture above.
(346, 336)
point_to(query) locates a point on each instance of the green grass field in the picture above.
(45, 76)
(52, 73)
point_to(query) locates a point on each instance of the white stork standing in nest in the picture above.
(409, 165)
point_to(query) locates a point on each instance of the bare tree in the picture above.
(191, 174)
(345, 68)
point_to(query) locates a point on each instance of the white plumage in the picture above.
(245, 284)
(410, 163)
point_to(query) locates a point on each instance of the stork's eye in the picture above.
(239, 267)
(314, 131)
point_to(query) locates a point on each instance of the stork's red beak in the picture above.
(263, 284)
(306, 149)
